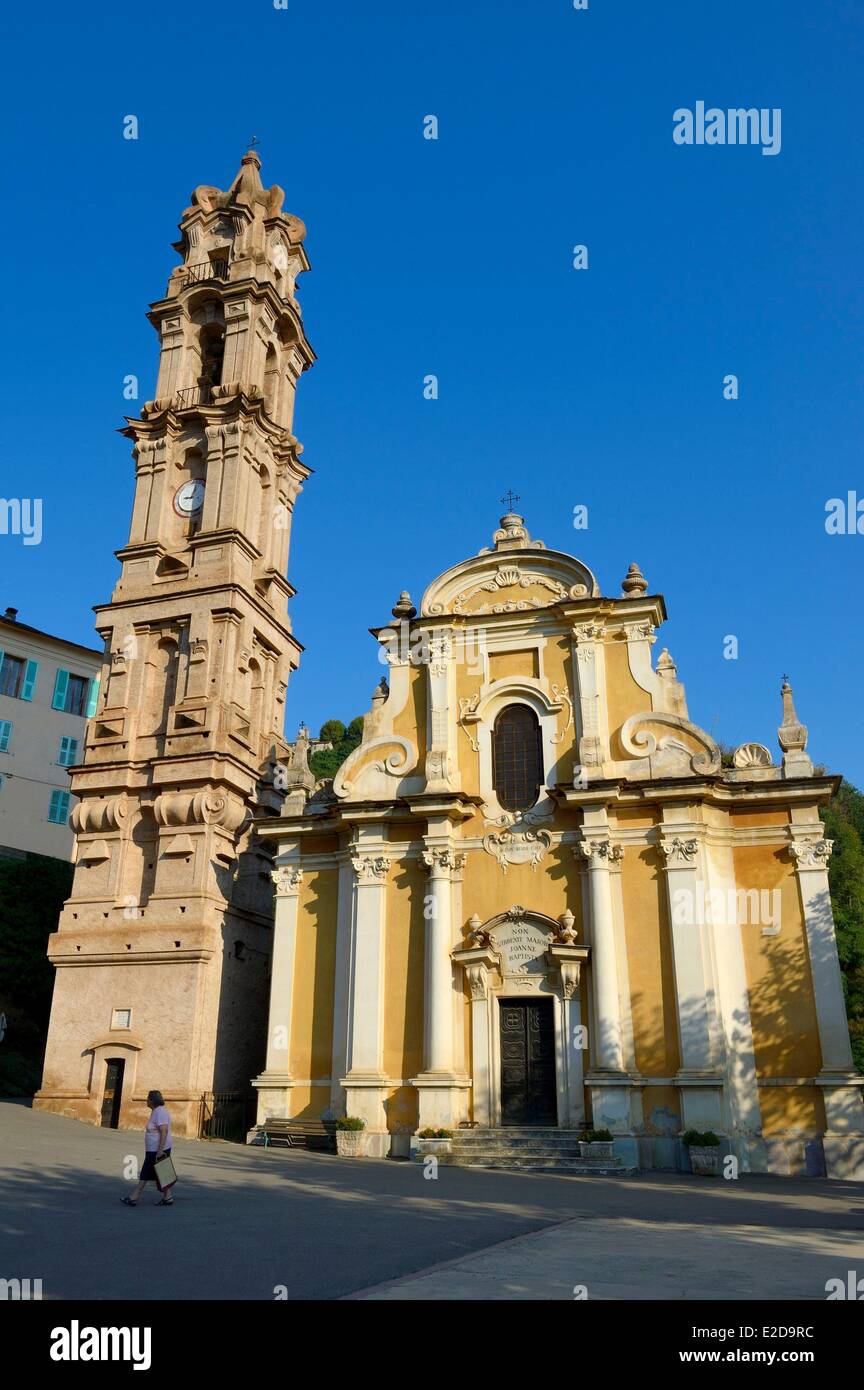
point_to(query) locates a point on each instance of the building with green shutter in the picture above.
(48, 689)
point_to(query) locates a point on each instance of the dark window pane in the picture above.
(76, 695)
(517, 758)
(11, 676)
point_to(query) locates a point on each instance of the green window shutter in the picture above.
(1, 663)
(94, 696)
(61, 685)
(5, 734)
(29, 680)
(58, 810)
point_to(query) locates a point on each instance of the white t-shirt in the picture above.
(158, 1117)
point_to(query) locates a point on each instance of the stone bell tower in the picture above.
(162, 951)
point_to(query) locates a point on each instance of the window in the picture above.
(74, 694)
(517, 758)
(17, 676)
(5, 734)
(121, 1018)
(58, 810)
(68, 752)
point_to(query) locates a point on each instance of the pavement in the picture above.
(254, 1223)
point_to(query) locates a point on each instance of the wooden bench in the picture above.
(300, 1134)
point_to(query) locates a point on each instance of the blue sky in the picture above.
(601, 387)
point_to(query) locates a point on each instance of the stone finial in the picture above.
(294, 776)
(792, 734)
(566, 933)
(792, 737)
(476, 932)
(380, 693)
(512, 534)
(404, 608)
(634, 582)
(666, 668)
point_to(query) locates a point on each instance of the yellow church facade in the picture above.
(535, 896)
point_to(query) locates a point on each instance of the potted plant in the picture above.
(434, 1141)
(704, 1151)
(349, 1136)
(597, 1143)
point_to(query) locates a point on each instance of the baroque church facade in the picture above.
(535, 896)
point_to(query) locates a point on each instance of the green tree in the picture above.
(844, 824)
(32, 892)
(326, 763)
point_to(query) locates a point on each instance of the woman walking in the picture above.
(157, 1145)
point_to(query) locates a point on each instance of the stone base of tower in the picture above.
(186, 1111)
(178, 1012)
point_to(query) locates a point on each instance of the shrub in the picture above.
(598, 1136)
(350, 1122)
(694, 1140)
(435, 1134)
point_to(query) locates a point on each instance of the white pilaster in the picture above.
(365, 1082)
(477, 964)
(599, 852)
(589, 668)
(741, 1091)
(441, 1088)
(843, 1141)
(698, 1074)
(275, 1083)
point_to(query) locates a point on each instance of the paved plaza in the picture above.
(254, 1223)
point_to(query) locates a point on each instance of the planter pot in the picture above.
(434, 1146)
(599, 1149)
(349, 1142)
(705, 1163)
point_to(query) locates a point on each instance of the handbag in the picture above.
(166, 1175)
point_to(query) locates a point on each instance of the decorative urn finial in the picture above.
(634, 582)
(404, 608)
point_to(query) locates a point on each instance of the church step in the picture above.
(549, 1165)
(502, 1147)
(529, 1154)
(518, 1136)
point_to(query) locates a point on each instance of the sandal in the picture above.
(166, 1202)
(127, 1202)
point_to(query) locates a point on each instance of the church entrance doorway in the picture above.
(527, 1062)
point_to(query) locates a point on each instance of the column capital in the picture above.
(586, 632)
(678, 853)
(370, 868)
(441, 861)
(598, 852)
(812, 853)
(288, 879)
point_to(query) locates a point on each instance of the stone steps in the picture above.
(602, 1169)
(540, 1149)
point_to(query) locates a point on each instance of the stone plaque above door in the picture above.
(521, 945)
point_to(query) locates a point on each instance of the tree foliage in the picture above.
(844, 824)
(32, 892)
(326, 763)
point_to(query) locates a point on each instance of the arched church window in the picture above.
(517, 758)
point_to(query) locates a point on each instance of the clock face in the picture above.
(189, 498)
